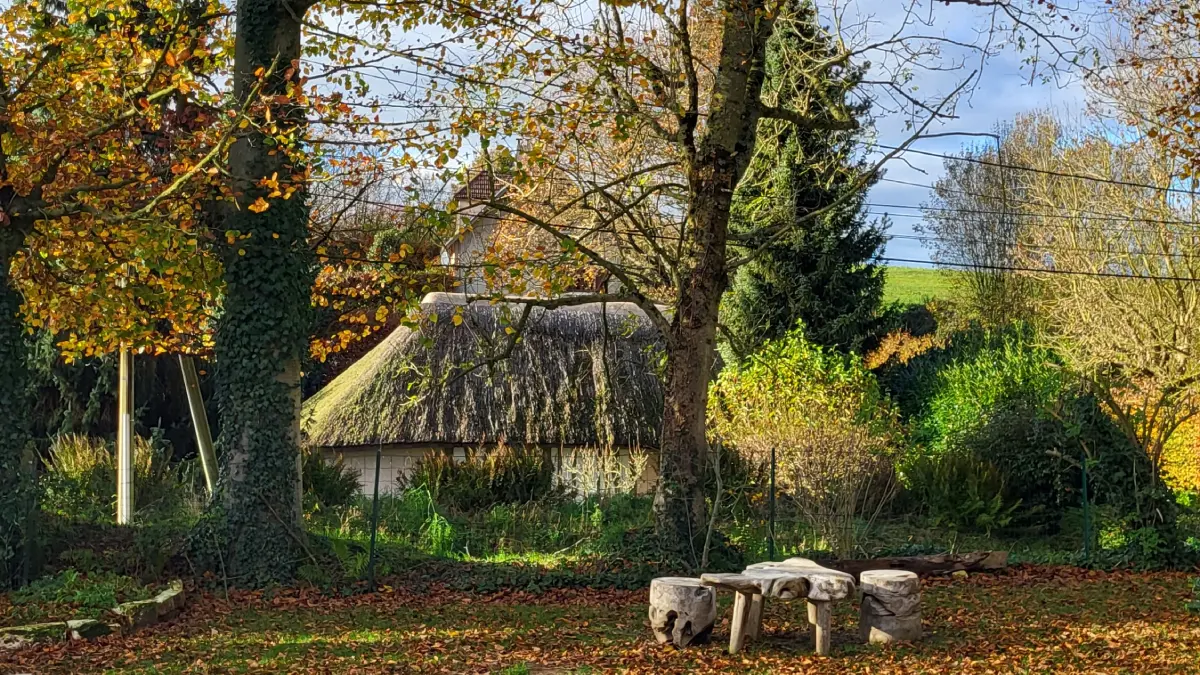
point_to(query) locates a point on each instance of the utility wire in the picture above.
(1072, 213)
(1048, 248)
(1040, 270)
(1059, 174)
(1017, 213)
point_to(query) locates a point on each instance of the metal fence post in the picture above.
(374, 517)
(1087, 515)
(771, 513)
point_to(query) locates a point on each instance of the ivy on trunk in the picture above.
(14, 422)
(264, 326)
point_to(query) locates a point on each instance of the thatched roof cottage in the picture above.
(580, 379)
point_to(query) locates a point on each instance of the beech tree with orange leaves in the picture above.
(106, 131)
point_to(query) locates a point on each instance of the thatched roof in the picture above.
(550, 390)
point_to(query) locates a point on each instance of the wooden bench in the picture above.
(791, 579)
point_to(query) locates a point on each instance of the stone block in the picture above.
(87, 629)
(138, 614)
(883, 629)
(35, 632)
(170, 600)
(890, 610)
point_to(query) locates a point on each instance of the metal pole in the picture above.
(204, 442)
(374, 517)
(771, 525)
(125, 439)
(1087, 515)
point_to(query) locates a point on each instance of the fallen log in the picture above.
(926, 565)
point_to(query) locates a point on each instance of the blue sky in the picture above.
(1005, 89)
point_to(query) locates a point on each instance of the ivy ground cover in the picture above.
(1026, 620)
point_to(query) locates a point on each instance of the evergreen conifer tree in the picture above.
(823, 270)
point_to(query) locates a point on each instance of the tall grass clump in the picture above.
(485, 478)
(80, 481)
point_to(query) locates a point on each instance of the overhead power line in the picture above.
(1047, 172)
(1045, 248)
(1040, 270)
(1017, 213)
(1074, 213)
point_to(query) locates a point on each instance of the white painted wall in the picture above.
(465, 252)
(577, 467)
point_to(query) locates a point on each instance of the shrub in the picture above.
(146, 550)
(504, 475)
(603, 471)
(1000, 397)
(951, 391)
(834, 432)
(1181, 458)
(900, 347)
(327, 484)
(961, 491)
(743, 479)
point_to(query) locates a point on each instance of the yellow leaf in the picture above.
(259, 205)
(457, 319)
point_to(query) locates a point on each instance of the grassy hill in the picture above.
(917, 284)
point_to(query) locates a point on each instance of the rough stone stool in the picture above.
(682, 610)
(891, 606)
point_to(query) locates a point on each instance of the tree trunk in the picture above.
(14, 422)
(713, 169)
(679, 503)
(926, 565)
(264, 326)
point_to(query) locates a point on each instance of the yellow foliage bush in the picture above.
(1181, 457)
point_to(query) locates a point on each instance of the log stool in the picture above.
(891, 606)
(682, 610)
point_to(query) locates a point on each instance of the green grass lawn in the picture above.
(1024, 620)
(917, 284)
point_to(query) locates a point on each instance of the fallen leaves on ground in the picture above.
(1025, 620)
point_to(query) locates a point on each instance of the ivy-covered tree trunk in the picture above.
(14, 418)
(264, 325)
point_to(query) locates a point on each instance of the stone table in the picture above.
(791, 579)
